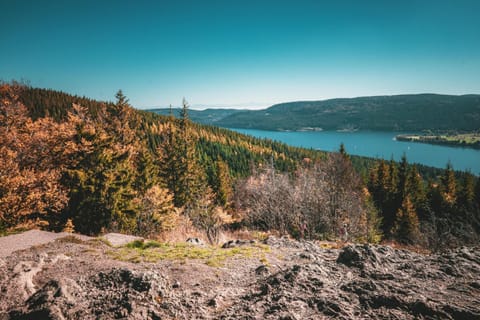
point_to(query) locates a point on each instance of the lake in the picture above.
(377, 145)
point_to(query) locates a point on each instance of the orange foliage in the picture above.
(33, 157)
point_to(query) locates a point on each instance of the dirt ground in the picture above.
(73, 278)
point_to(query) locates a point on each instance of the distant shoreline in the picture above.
(470, 140)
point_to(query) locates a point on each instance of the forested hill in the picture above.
(238, 150)
(104, 165)
(415, 112)
(71, 163)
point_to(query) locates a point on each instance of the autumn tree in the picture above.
(157, 213)
(33, 158)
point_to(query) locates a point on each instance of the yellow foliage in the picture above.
(69, 227)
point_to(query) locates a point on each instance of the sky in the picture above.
(230, 53)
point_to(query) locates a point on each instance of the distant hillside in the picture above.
(208, 116)
(388, 113)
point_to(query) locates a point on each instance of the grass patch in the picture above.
(71, 239)
(100, 240)
(153, 251)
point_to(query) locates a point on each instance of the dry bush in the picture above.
(245, 234)
(208, 217)
(322, 201)
(183, 230)
(267, 201)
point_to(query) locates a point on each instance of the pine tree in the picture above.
(465, 209)
(192, 180)
(402, 183)
(179, 162)
(147, 173)
(449, 186)
(466, 194)
(374, 221)
(477, 194)
(102, 186)
(343, 151)
(168, 162)
(417, 193)
(407, 225)
(222, 183)
(393, 175)
(383, 189)
(122, 100)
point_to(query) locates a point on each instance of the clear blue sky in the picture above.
(241, 52)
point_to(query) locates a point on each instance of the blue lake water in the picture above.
(377, 145)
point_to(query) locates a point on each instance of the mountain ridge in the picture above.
(405, 112)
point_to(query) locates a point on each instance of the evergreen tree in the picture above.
(384, 194)
(466, 210)
(101, 193)
(402, 184)
(122, 100)
(102, 186)
(222, 184)
(466, 194)
(407, 224)
(393, 175)
(169, 163)
(147, 173)
(343, 151)
(374, 222)
(477, 194)
(417, 193)
(179, 160)
(449, 186)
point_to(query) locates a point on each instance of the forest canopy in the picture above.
(78, 164)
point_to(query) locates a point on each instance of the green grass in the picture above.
(152, 251)
(8, 232)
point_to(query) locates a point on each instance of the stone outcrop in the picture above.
(297, 280)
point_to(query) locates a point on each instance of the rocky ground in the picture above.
(70, 278)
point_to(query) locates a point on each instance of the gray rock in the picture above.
(196, 242)
(118, 293)
(237, 243)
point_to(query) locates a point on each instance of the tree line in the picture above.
(439, 213)
(110, 167)
(74, 163)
